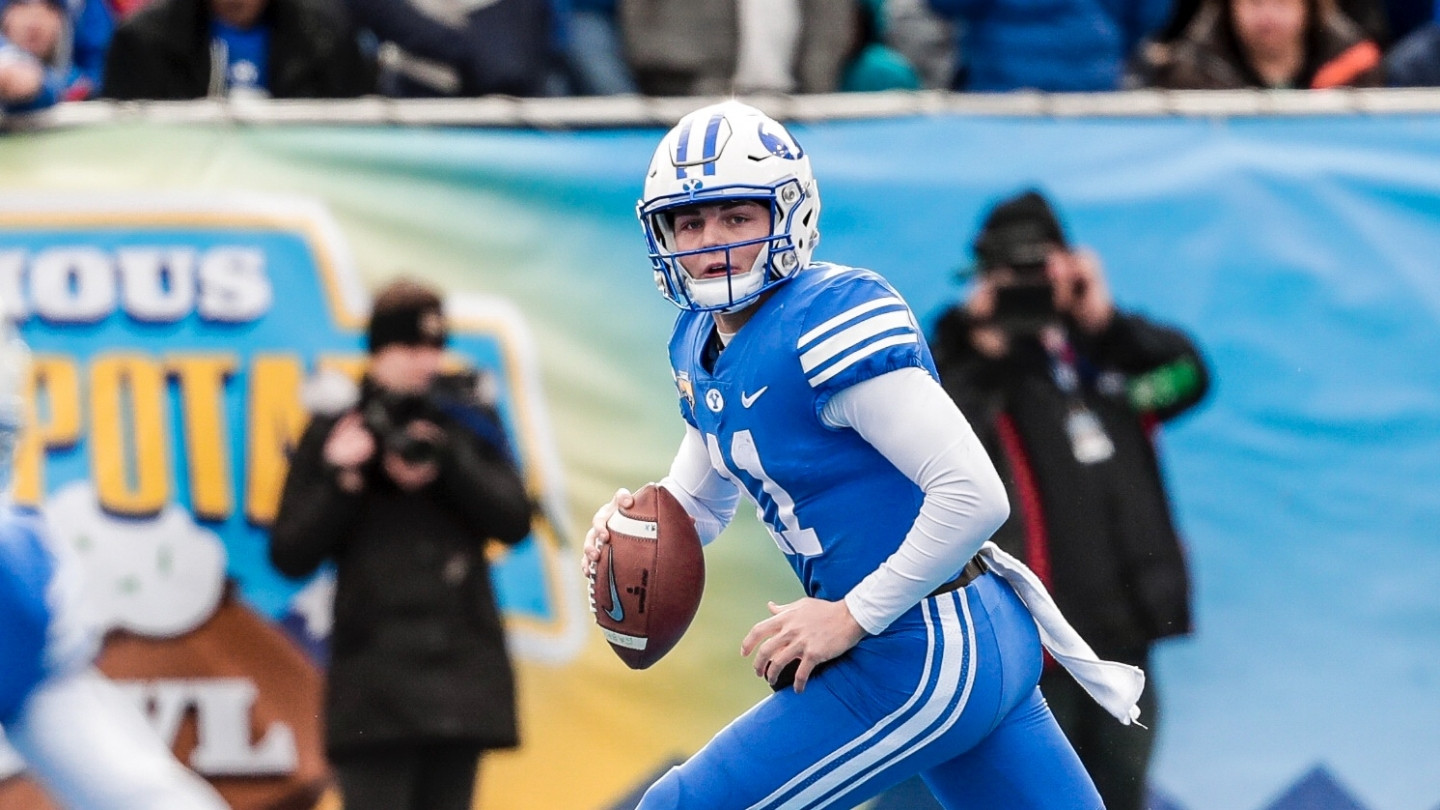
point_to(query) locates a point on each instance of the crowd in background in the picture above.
(62, 50)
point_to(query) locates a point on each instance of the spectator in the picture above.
(924, 38)
(1065, 390)
(69, 45)
(22, 79)
(459, 48)
(1371, 15)
(186, 49)
(678, 47)
(874, 65)
(1278, 44)
(1415, 60)
(596, 56)
(400, 489)
(1058, 46)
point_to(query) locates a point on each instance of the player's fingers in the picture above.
(762, 630)
(623, 498)
(778, 661)
(802, 672)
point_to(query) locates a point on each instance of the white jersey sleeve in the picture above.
(710, 496)
(909, 418)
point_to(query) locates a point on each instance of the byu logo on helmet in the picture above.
(723, 152)
(777, 146)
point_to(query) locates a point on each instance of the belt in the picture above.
(967, 575)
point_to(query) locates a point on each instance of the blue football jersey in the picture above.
(834, 505)
(26, 570)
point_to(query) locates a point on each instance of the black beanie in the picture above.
(409, 314)
(1026, 217)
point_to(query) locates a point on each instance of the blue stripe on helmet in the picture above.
(682, 150)
(712, 133)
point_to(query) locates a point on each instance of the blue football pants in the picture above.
(948, 691)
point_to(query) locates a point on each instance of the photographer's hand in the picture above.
(988, 340)
(349, 446)
(1093, 308)
(412, 476)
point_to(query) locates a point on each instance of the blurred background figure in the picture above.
(595, 51)
(1066, 392)
(923, 37)
(1279, 44)
(187, 49)
(401, 488)
(872, 64)
(1415, 60)
(463, 47)
(79, 735)
(67, 41)
(676, 47)
(1059, 46)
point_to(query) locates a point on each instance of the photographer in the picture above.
(401, 488)
(1065, 392)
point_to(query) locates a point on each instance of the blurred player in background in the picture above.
(810, 388)
(82, 739)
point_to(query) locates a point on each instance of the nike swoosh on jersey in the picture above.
(749, 399)
(616, 611)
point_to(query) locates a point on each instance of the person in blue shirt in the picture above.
(1061, 46)
(809, 387)
(78, 734)
(65, 43)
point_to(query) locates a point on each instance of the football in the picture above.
(646, 587)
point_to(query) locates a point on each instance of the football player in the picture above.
(809, 387)
(80, 736)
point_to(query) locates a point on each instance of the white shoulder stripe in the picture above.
(847, 339)
(848, 314)
(893, 340)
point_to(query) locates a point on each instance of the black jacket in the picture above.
(1101, 535)
(163, 52)
(418, 648)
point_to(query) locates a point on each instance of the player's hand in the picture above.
(811, 630)
(597, 534)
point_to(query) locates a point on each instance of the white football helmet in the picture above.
(730, 151)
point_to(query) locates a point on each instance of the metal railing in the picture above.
(639, 111)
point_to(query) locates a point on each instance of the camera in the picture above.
(462, 398)
(388, 415)
(1025, 302)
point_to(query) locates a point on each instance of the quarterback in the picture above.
(808, 387)
(81, 738)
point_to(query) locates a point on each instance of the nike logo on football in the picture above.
(616, 611)
(749, 399)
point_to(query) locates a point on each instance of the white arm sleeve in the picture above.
(910, 419)
(707, 494)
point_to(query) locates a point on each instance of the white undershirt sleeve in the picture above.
(708, 495)
(910, 419)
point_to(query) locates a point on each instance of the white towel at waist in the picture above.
(1113, 685)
